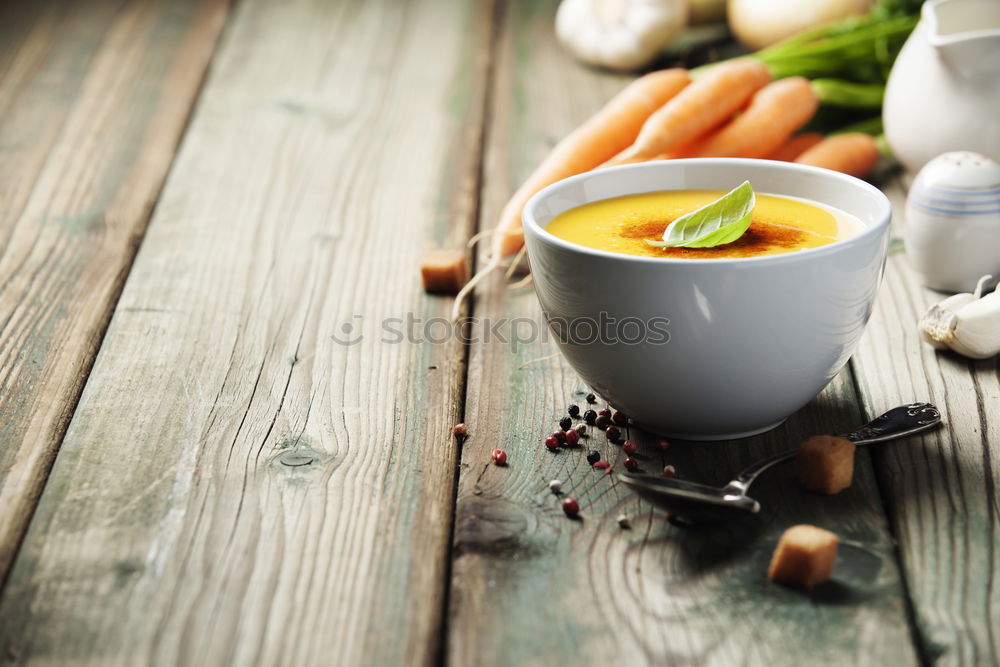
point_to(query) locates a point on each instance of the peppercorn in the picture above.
(565, 423)
(560, 436)
(602, 422)
(593, 456)
(572, 438)
(662, 445)
(555, 486)
(613, 433)
(631, 463)
(581, 429)
(669, 472)
(552, 442)
(460, 431)
(570, 507)
(499, 457)
(623, 521)
(591, 398)
(604, 413)
(574, 411)
(590, 416)
(630, 447)
(619, 418)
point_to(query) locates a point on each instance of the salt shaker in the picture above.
(952, 229)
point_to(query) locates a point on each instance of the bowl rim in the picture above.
(529, 219)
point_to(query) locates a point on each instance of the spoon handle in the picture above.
(899, 422)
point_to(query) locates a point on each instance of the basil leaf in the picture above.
(723, 221)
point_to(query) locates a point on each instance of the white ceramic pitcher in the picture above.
(944, 90)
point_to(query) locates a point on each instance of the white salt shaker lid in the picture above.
(961, 170)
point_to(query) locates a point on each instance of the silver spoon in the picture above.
(690, 503)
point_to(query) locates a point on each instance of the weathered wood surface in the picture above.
(235, 486)
(530, 586)
(940, 489)
(93, 99)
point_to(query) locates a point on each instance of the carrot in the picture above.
(796, 146)
(854, 153)
(709, 101)
(604, 135)
(775, 112)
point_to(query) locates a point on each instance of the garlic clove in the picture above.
(977, 328)
(968, 324)
(937, 324)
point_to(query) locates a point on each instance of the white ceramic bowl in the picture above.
(749, 341)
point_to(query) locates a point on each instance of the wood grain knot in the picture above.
(296, 454)
(296, 459)
(491, 526)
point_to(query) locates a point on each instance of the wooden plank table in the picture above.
(232, 445)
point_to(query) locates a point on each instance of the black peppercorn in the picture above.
(593, 456)
(590, 417)
(565, 423)
(591, 398)
(574, 411)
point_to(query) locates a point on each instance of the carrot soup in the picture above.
(780, 224)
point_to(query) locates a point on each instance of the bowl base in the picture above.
(701, 437)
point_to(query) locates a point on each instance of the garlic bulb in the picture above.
(968, 324)
(619, 34)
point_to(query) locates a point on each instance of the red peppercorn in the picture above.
(552, 442)
(560, 436)
(602, 464)
(499, 457)
(613, 433)
(619, 418)
(630, 447)
(604, 413)
(631, 463)
(570, 507)
(572, 438)
(662, 445)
